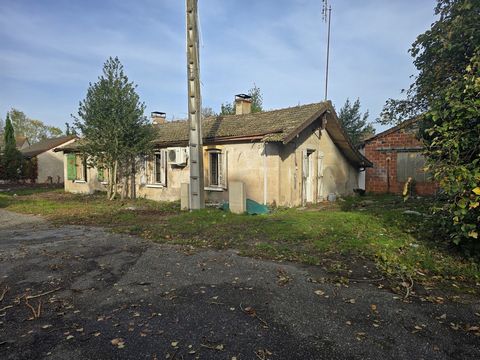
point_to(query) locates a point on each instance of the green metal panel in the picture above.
(71, 168)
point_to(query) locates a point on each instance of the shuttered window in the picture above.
(411, 164)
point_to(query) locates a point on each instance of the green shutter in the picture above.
(101, 174)
(71, 168)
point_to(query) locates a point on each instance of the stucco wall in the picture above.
(332, 172)
(50, 163)
(272, 172)
(82, 187)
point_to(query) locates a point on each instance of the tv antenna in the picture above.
(326, 17)
(196, 188)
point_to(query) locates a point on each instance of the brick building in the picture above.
(396, 156)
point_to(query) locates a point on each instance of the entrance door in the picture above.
(308, 176)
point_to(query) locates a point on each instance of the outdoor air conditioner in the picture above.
(177, 156)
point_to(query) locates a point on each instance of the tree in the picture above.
(354, 123)
(207, 112)
(12, 159)
(257, 102)
(441, 55)
(34, 130)
(453, 151)
(116, 132)
(446, 92)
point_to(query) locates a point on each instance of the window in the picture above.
(80, 168)
(411, 164)
(157, 169)
(214, 159)
(217, 169)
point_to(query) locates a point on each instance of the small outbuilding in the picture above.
(396, 155)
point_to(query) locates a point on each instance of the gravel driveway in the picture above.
(76, 292)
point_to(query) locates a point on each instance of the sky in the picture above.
(50, 50)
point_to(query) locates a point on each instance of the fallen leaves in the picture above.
(118, 342)
(263, 354)
(253, 313)
(282, 277)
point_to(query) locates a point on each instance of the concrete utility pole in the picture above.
(196, 193)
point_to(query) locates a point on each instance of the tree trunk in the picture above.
(133, 189)
(114, 181)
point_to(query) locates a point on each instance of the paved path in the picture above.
(161, 302)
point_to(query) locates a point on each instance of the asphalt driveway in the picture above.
(76, 292)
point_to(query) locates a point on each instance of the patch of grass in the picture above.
(375, 228)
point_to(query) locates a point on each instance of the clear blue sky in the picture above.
(51, 49)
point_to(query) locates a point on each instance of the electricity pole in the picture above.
(196, 193)
(327, 16)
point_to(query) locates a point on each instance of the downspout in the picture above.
(388, 174)
(265, 186)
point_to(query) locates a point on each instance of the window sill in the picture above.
(155, 186)
(211, 188)
(79, 181)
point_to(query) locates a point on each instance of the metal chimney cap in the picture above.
(158, 114)
(243, 97)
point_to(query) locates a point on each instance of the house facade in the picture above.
(286, 157)
(396, 155)
(48, 163)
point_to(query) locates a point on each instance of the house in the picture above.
(286, 157)
(48, 163)
(396, 155)
(20, 141)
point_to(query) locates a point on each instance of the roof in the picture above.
(269, 126)
(46, 145)
(400, 126)
(19, 141)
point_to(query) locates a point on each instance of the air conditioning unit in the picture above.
(177, 156)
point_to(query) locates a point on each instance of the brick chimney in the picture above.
(158, 117)
(243, 104)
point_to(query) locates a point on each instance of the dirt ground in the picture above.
(76, 292)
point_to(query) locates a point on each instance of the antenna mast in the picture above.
(327, 16)
(196, 193)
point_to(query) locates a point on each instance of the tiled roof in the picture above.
(276, 124)
(19, 140)
(402, 125)
(46, 145)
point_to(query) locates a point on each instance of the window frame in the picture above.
(221, 171)
(83, 171)
(152, 180)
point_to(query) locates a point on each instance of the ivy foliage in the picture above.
(446, 92)
(453, 150)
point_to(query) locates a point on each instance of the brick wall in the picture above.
(382, 152)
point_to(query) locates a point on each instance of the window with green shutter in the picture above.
(71, 168)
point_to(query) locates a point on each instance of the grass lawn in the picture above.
(373, 228)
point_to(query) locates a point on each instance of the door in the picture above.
(320, 177)
(308, 176)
